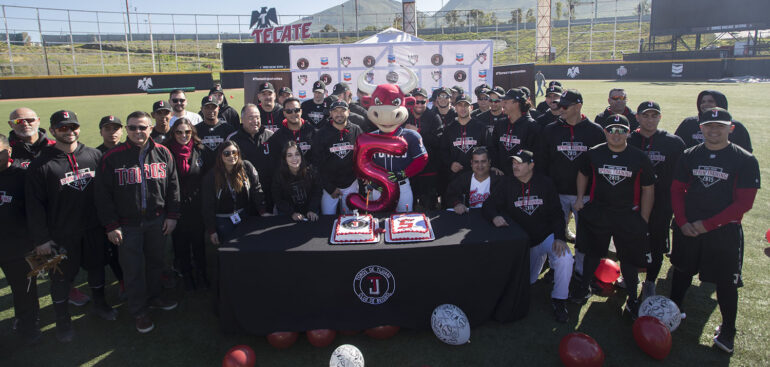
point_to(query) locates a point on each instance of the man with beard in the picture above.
(552, 95)
(294, 128)
(428, 125)
(618, 100)
(443, 108)
(283, 94)
(528, 95)
(161, 113)
(664, 150)
(342, 92)
(516, 132)
(495, 113)
(356, 107)
(178, 101)
(253, 140)
(543, 106)
(27, 138)
(270, 114)
(314, 111)
(690, 132)
(213, 131)
(459, 139)
(61, 214)
(482, 99)
(226, 112)
(333, 157)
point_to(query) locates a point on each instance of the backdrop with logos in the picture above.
(437, 64)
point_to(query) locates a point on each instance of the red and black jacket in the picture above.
(135, 184)
(23, 153)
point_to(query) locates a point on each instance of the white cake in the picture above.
(409, 227)
(354, 228)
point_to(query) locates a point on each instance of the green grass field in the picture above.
(189, 336)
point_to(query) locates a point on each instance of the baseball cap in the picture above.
(523, 156)
(319, 85)
(525, 90)
(208, 100)
(715, 114)
(554, 89)
(463, 98)
(63, 117)
(647, 106)
(216, 88)
(515, 94)
(570, 97)
(618, 120)
(266, 86)
(419, 92)
(457, 89)
(497, 90)
(284, 90)
(110, 120)
(338, 103)
(554, 82)
(160, 105)
(340, 88)
(480, 89)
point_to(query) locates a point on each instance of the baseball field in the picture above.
(190, 336)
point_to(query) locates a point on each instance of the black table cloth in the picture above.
(279, 275)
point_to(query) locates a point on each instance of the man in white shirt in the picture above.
(471, 189)
(178, 102)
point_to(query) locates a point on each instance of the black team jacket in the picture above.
(332, 155)
(24, 153)
(13, 213)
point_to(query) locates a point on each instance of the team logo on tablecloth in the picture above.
(374, 284)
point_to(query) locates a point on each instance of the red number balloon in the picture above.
(366, 146)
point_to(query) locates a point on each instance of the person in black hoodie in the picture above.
(491, 117)
(188, 151)
(295, 129)
(27, 138)
(428, 125)
(137, 200)
(254, 142)
(459, 139)
(443, 108)
(61, 215)
(518, 131)
(618, 101)
(296, 188)
(17, 244)
(333, 156)
(226, 112)
(689, 129)
(270, 112)
(213, 131)
(543, 106)
(315, 111)
(552, 95)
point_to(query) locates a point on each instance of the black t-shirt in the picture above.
(314, 113)
(664, 150)
(712, 176)
(617, 176)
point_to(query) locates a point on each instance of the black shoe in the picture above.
(105, 311)
(560, 312)
(632, 308)
(580, 295)
(32, 336)
(725, 340)
(163, 304)
(64, 331)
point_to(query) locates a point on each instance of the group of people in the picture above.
(195, 177)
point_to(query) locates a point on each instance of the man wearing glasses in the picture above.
(428, 124)
(443, 108)
(178, 102)
(62, 217)
(294, 127)
(617, 100)
(564, 143)
(621, 199)
(27, 138)
(482, 99)
(495, 114)
(137, 196)
(552, 95)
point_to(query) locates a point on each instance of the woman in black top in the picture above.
(231, 192)
(296, 189)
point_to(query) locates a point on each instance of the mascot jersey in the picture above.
(415, 150)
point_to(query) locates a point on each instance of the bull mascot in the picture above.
(388, 156)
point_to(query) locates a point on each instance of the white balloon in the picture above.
(346, 355)
(662, 309)
(450, 324)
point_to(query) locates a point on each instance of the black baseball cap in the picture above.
(647, 106)
(284, 90)
(160, 105)
(526, 91)
(480, 89)
(554, 89)
(457, 89)
(319, 85)
(497, 90)
(216, 88)
(463, 98)
(208, 100)
(339, 103)
(554, 82)
(266, 86)
(340, 88)
(570, 97)
(523, 156)
(515, 94)
(110, 120)
(63, 117)
(715, 114)
(419, 92)
(618, 120)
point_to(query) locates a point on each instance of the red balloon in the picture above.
(767, 235)
(382, 332)
(349, 332)
(239, 356)
(321, 337)
(282, 339)
(580, 350)
(608, 271)
(366, 146)
(652, 336)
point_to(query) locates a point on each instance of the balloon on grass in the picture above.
(382, 332)
(608, 271)
(580, 350)
(321, 337)
(346, 355)
(282, 339)
(239, 356)
(652, 336)
(450, 324)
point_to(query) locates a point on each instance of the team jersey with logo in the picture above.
(465, 189)
(564, 146)
(490, 121)
(303, 137)
(414, 150)
(430, 129)
(60, 192)
(213, 135)
(533, 205)
(271, 121)
(314, 113)
(664, 150)
(333, 155)
(508, 138)
(689, 131)
(603, 118)
(458, 141)
(713, 176)
(13, 213)
(617, 177)
(479, 192)
(546, 118)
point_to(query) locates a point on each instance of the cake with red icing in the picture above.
(354, 228)
(409, 227)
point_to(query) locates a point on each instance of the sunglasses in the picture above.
(292, 110)
(563, 107)
(443, 96)
(137, 127)
(183, 132)
(494, 100)
(28, 120)
(616, 130)
(178, 100)
(618, 98)
(230, 153)
(483, 98)
(420, 102)
(65, 128)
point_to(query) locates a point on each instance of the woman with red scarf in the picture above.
(188, 238)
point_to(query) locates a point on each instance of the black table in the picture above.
(278, 275)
